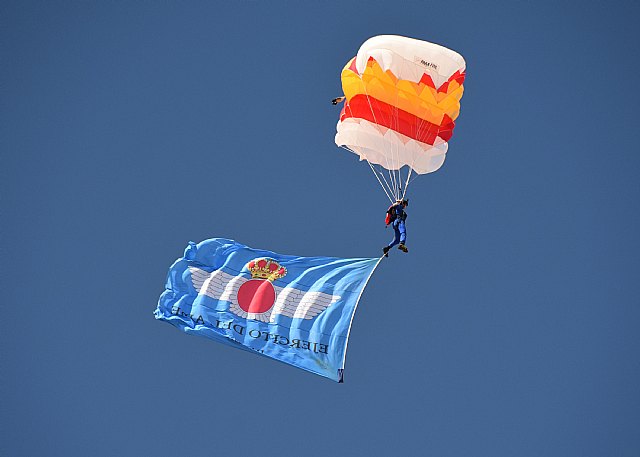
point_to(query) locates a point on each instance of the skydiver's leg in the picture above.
(396, 240)
(403, 237)
(403, 232)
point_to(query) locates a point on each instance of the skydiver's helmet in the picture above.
(403, 202)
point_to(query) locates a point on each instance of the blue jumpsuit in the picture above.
(398, 226)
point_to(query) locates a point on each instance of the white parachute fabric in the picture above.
(388, 148)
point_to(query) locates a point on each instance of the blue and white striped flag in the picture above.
(294, 309)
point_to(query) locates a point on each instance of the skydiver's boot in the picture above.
(385, 251)
(403, 248)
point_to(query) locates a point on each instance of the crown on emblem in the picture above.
(266, 268)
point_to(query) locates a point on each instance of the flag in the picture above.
(297, 310)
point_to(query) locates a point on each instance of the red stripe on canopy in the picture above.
(391, 117)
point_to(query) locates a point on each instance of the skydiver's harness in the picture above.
(395, 212)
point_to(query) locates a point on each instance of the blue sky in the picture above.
(129, 128)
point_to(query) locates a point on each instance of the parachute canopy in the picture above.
(402, 98)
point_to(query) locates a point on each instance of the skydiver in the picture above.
(337, 100)
(398, 216)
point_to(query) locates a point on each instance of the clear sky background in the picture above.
(129, 128)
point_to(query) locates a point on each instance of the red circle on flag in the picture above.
(256, 296)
